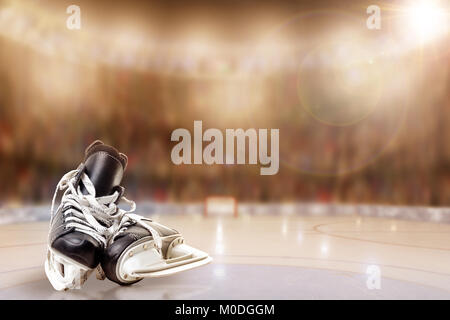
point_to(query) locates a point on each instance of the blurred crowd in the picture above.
(390, 147)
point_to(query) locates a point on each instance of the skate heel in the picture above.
(145, 260)
(63, 272)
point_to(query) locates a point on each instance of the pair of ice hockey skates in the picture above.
(88, 230)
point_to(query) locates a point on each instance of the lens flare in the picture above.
(427, 20)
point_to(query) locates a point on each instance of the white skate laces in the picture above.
(98, 217)
(130, 218)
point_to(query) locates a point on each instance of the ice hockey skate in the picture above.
(86, 217)
(144, 248)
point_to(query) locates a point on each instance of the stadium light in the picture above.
(426, 19)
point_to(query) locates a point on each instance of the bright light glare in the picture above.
(427, 20)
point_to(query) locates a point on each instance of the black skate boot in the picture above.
(144, 248)
(86, 216)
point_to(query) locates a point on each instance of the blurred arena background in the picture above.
(363, 188)
(363, 114)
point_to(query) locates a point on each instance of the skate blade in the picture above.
(63, 272)
(138, 263)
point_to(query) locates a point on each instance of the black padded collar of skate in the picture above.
(99, 146)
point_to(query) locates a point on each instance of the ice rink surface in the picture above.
(262, 257)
